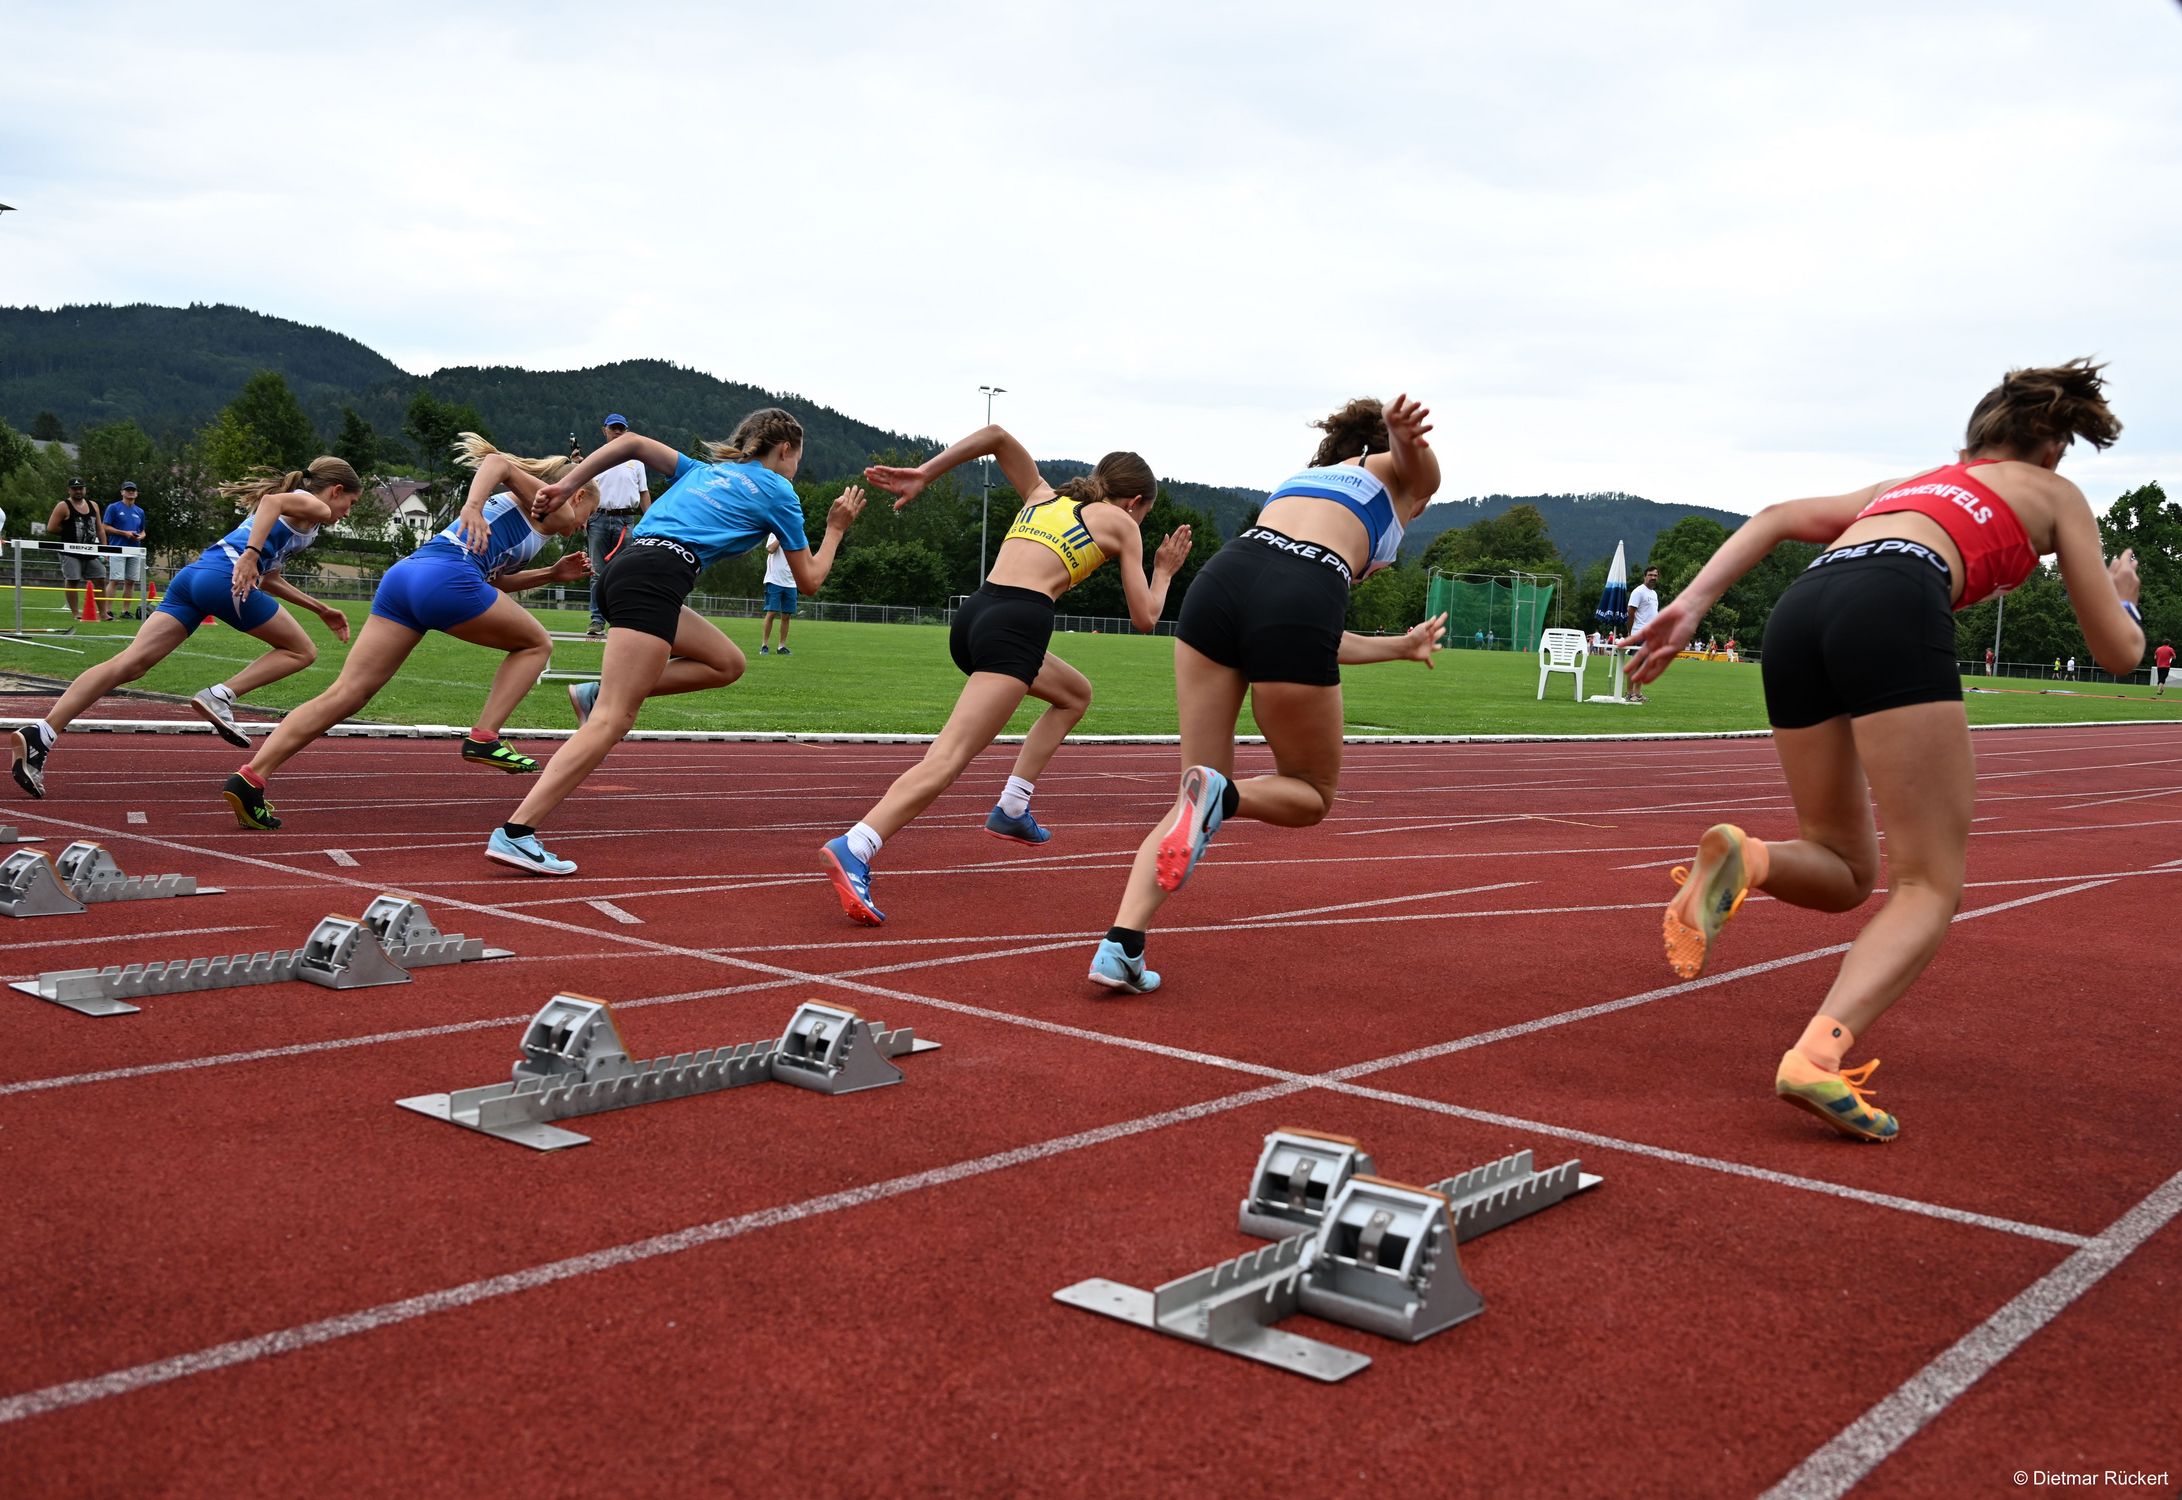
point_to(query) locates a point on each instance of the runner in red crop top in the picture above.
(1863, 692)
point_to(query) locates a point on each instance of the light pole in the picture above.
(985, 467)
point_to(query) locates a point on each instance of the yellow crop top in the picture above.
(1070, 541)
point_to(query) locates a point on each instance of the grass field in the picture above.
(898, 679)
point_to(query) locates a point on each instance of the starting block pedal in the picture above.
(10, 834)
(392, 937)
(574, 1063)
(1349, 1246)
(83, 874)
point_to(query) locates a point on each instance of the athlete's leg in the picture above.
(982, 711)
(293, 650)
(703, 658)
(1208, 699)
(632, 663)
(1302, 726)
(1834, 861)
(1067, 695)
(509, 627)
(381, 647)
(154, 642)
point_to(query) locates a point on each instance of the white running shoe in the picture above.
(219, 712)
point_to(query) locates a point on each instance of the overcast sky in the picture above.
(1709, 252)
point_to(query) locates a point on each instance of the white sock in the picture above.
(46, 733)
(224, 691)
(864, 842)
(1015, 801)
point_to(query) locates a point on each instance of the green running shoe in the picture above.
(248, 801)
(498, 756)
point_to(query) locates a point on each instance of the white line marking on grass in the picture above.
(1312, 911)
(1879, 1433)
(137, 817)
(608, 908)
(342, 857)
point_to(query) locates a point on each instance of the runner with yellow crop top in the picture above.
(1059, 539)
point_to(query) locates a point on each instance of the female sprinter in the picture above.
(656, 644)
(1862, 692)
(1000, 635)
(235, 581)
(459, 581)
(1264, 618)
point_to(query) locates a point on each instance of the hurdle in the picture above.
(574, 1063)
(392, 937)
(81, 875)
(1350, 1247)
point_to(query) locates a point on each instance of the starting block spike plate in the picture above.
(92, 875)
(575, 1063)
(31, 887)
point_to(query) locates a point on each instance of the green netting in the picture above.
(1504, 614)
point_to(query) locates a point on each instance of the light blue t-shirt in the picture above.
(282, 542)
(510, 540)
(722, 510)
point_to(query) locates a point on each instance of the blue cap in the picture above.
(615, 419)
(128, 484)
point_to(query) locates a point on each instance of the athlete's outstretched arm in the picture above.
(1016, 465)
(810, 568)
(1818, 519)
(2096, 588)
(290, 505)
(280, 588)
(570, 567)
(1418, 643)
(1148, 601)
(653, 453)
(1410, 468)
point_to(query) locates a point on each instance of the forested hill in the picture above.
(1584, 528)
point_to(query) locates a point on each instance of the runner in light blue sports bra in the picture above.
(461, 581)
(235, 581)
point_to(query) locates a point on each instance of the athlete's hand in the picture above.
(1407, 422)
(246, 576)
(843, 512)
(2123, 570)
(549, 498)
(1420, 642)
(1172, 553)
(1659, 642)
(904, 485)
(475, 533)
(572, 566)
(336, 622)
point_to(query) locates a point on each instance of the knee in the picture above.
(304, 654)
(1077, 701)
(1313, 815)
(729, 671)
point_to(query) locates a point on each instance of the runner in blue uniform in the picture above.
(461, 581)
(655, 643)
(235, 582)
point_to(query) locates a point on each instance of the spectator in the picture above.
(124, 527)
(2056, 669)
(2162, 659)
(1643, 604)
(623, 494)
(2072, 669)
(76, 520)
(1988, 661)
(780, 595)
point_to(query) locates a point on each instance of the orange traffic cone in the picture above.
(90, 601)
(151, 590)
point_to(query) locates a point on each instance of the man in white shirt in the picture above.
(623, 494)
(1643, 604)
(780, 596)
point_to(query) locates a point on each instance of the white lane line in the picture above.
(130, 937)
(386, 1314)
(2165, 791)
(1312, 911)
(1875, 1436)
(342, 857)
(137, 817)
(608, 908)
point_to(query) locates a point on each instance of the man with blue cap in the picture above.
(623, 494)
(124, 527)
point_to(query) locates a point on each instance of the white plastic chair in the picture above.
(1562, 651)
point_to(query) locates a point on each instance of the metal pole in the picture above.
(1999, 606)
(985, 468)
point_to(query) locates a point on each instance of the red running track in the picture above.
(231, 1266)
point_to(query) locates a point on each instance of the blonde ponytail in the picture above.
(471, 450)
(325, 473)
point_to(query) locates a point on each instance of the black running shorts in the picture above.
(1002, 629)
(644, 585)
(1864, 629)
(1270, 607)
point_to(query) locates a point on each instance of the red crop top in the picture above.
(1996, 552)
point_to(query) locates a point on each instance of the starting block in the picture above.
(1349, 1246)
(81, 875)
(392, 937)
(10, 834)
(574, 1062)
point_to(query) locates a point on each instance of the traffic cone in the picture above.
(151, 590)
(90, 601)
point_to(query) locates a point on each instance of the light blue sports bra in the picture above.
(1359, 491)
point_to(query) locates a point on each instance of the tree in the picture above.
(2146, 520)
(433, 425)
(46, 428)
(267, 407)
(358, 443)
(888, 573)
(230, 448)
(1515, 541)
(15, 450)
(1389, 600)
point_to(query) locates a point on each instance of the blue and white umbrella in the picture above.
(1614, 603)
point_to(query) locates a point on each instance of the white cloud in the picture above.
(1709, 252)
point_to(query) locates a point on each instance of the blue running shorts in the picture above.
(436, 587)
(205, 590)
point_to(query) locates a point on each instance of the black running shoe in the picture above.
(497, 755)
(251, 808)
(30, 754)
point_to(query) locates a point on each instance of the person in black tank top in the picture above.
(76, 520)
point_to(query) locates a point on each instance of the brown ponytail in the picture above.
(757, 435)
(1115, 478)
(1355, 430)
(2031, 408)
(325, 473)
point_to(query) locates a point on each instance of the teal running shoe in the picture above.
(1118, 971)
(526, 854)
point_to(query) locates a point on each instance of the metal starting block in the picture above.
(10, 834)
(82, 874)
(1350, 1247)
(392, 937)
(574, 1062)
